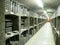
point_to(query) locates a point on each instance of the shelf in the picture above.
(24, 16)
(22, 30)
(10, 13)
(11, 34)
(7, 20)
(35, 25)
(10, 24)
(31, 27)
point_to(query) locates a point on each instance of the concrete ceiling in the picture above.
(51, 3)
(47, 4)
(30, 4)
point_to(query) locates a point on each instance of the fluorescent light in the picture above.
(45, 12)
(50, 10)
(39, 3)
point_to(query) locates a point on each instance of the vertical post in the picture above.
(55, 22)
(2, 25)
(20, 30)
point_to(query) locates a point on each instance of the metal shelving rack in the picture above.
(27, 22)
(11, 31)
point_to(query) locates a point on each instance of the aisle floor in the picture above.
(43, 37)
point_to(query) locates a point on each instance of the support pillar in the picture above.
(2, 23)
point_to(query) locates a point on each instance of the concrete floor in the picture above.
(43, 37)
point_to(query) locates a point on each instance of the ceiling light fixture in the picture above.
(39, 3)
(45, 12)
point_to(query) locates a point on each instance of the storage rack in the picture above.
(24, 24)
(11, 29)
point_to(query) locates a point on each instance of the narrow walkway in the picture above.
(43, 37)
